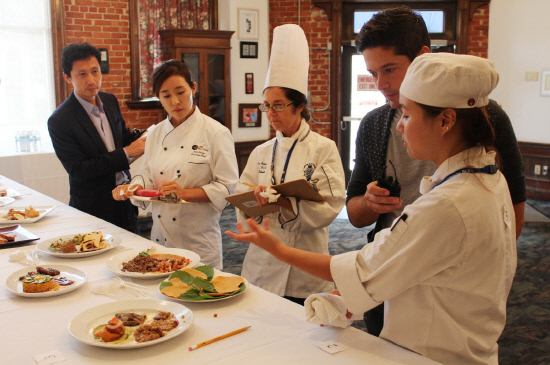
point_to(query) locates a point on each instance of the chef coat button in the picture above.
(161, 172)
(174, 219)
(165, 240)
(159, 215)
(165, 148)
(178, 171)
(181, 146)
(157, 239)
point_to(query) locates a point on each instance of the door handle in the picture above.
(347, 120)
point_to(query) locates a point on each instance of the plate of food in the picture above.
(15, 235)
(78, 245)
(202, 284)
(152, 263)
(45, 281)
(131, 323)
(22, 215)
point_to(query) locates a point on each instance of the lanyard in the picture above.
(489, 169)
(273, 182)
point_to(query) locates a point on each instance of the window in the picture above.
(26, 79)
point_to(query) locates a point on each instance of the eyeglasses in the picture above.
(276, 107)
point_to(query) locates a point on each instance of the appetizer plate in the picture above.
(44, 246)
(16, 287)
(82, 326)
(114, 264)
(218, 273)
(22, 236)
(6, 200)
(41, 210)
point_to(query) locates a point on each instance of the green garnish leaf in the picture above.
(204, 285)
(208, 270)
(183, 276)
(190, 294)
(144, 253)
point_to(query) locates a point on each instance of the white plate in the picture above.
(41, 210)
(82, 326)
(5, 200)
(16, 287)
(217, 273)
(44, 246)
(114, 264)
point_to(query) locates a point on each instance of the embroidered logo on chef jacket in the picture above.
(199, 151)
(309, 169)
(262, 167)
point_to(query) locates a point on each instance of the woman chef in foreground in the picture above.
(295, 153)
(445, 267)
(192, 155)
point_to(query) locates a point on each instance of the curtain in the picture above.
(155, 15)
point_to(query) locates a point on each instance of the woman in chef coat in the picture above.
(295, 153)
(193, 156)
(445, 267)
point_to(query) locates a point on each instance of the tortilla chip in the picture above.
(226, 284)
(166, 256)
(195, 273)
(91, 241)
(177, 288)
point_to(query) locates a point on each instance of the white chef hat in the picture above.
(289, 61)
(449, 80)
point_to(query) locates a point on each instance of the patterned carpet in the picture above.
(525, 339)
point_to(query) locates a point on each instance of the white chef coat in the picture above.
(202, 151)
(445, 272)
(316, 159)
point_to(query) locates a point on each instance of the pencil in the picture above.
(247, 184)
(218, 338)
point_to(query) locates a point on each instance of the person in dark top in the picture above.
(389, 42)
(91, 140)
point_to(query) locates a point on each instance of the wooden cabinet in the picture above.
(206, 53)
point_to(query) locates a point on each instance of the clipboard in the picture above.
(300, 189)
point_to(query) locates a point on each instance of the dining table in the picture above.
(36, 329)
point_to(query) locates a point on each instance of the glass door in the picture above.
(360, 96)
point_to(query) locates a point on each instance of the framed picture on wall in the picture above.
(249, 49)
(250, 116)
(545, 83)
(249, 83)
(248, 23)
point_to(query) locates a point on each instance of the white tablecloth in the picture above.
(279, 332)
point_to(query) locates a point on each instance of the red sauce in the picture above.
(62, 281)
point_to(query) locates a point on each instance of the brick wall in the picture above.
(478, 33)
(106, 24)
(317, 28)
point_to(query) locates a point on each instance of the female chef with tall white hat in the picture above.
(295, 153)
(445, 267)
(193, 156)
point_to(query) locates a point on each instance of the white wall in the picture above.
(228, 20)
(519, 43)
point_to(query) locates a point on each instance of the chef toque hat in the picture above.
(289, 61)
(449, 80)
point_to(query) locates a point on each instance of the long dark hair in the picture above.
(298, 99)
(168, 69)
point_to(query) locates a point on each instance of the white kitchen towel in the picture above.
(328, 309)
